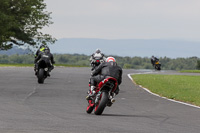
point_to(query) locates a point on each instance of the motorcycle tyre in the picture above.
(102, 104)
(157, 67)
(41, 76)
(89, 109)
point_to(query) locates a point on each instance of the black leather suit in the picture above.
(106, 69)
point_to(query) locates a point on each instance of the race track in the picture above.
(59, 106)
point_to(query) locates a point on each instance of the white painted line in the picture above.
(129, 75)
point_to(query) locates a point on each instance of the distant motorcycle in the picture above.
(42, 71)
(96, 62)
(157, 65)
(102, 98)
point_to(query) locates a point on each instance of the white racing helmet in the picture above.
(109, 59)
(98, 51)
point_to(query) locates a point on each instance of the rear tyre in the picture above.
(157, 67)
(41, 76)
(102, 104)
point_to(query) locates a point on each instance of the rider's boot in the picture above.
(36, 72)
(48, 74)
(92, 92)
(36, 68)
(97, 97)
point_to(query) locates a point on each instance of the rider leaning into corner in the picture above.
(153, 60)
(103, 71)
(47, 57)
(97, 55)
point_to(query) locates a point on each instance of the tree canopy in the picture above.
(21, 22)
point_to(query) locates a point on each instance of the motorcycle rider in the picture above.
(41, 49)
(153, 60)
(47, 57)
(97, 55)
(104, 70)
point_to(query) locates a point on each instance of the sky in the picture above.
(125, 19)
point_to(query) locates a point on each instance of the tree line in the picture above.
(125, 62)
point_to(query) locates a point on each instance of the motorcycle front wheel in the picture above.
(90, 107)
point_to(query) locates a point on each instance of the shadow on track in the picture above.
(119, 115)
(138, 116)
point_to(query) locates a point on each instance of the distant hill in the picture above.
(15, 50)
(121, 47)
(128, 47)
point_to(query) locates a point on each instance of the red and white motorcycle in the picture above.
(102, 98)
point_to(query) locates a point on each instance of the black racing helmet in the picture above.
(47, 50)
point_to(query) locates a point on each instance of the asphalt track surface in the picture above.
(59, 106)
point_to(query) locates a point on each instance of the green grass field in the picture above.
(178, 87)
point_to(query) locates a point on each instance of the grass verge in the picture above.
(178, 87)
(190, 71)
(16, 65)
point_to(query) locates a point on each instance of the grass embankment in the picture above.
(190, 71)
(178, 87)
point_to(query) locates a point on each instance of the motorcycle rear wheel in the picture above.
(102, 104)
(41, 76)
(157, 67)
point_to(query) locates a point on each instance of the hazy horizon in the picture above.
(128, 47)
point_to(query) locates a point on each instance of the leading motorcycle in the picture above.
(42, 71)
(102, 98)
